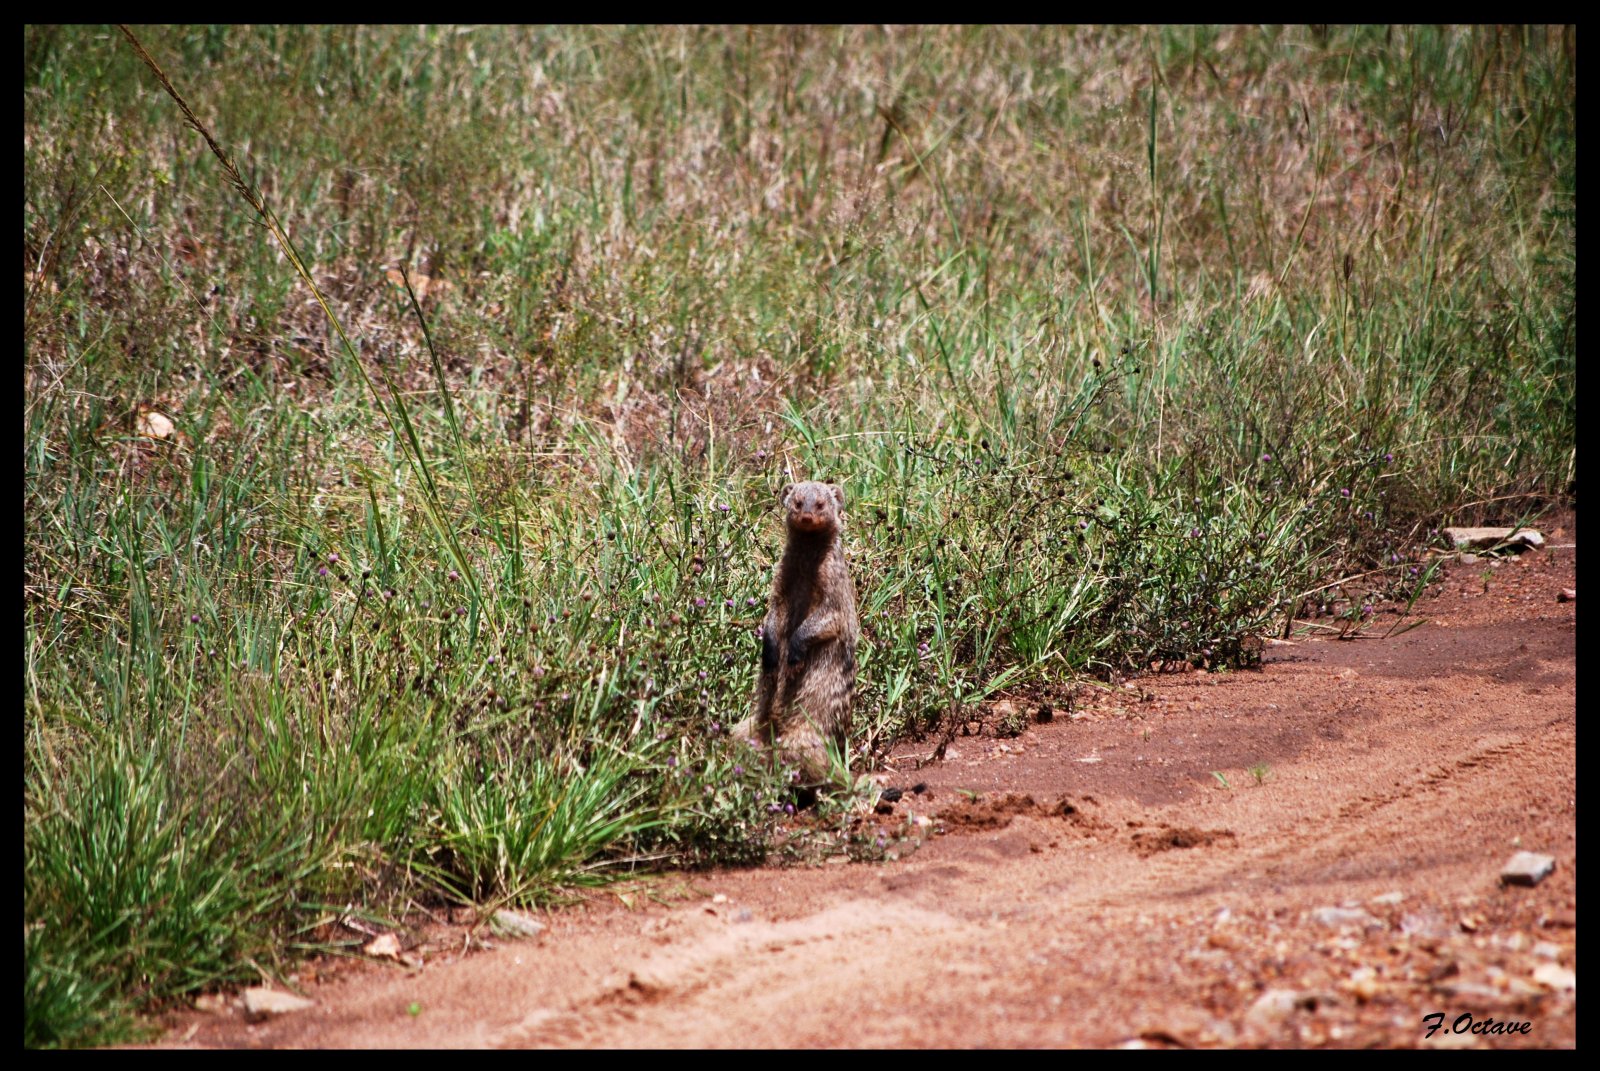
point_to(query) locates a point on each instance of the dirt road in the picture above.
(1105, 888)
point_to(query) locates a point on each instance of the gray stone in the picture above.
(1489, 538)
(1527, 868)
(261, 1003)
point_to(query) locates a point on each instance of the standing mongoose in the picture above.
(808, 641)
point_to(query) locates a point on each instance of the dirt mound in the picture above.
(1149, 842)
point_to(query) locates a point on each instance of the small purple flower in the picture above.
(1366, 611)
(727, 603)
(716, 727)
(194, 619)
(333, 556)
(1388, 457)
(1344, 492)
(461, 611)
(322, 570)
(788, 808)
(672, 760)
(1083, 526)
(1194, 533)
(1266, 457)
(491, 660)
(702, 674)
(761, 454)
(1367, 515)
(751, 601)
(454, 575)
(738, 771)
(722, 506)
(699, 603)
(1413, 570)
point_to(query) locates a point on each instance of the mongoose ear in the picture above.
(783, 495)
(838, 495)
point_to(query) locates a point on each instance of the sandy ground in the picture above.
(1091, 883)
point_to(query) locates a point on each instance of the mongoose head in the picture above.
(812, 506)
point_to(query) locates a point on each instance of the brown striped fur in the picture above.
(808, 643)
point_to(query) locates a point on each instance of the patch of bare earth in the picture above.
(1092, 883)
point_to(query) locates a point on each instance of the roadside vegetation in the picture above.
(1128, 347)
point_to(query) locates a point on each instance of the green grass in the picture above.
(1127, 346)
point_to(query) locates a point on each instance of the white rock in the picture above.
(1345, 918)
(516, 924)
(1487, 538)
(1271, 1009)
(211, 1003)
(153, 425)
(1555, 976)
(261, 1003)
(383, 946)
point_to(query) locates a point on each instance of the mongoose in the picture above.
(808, 641)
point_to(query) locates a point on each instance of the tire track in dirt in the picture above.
(742, 975)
